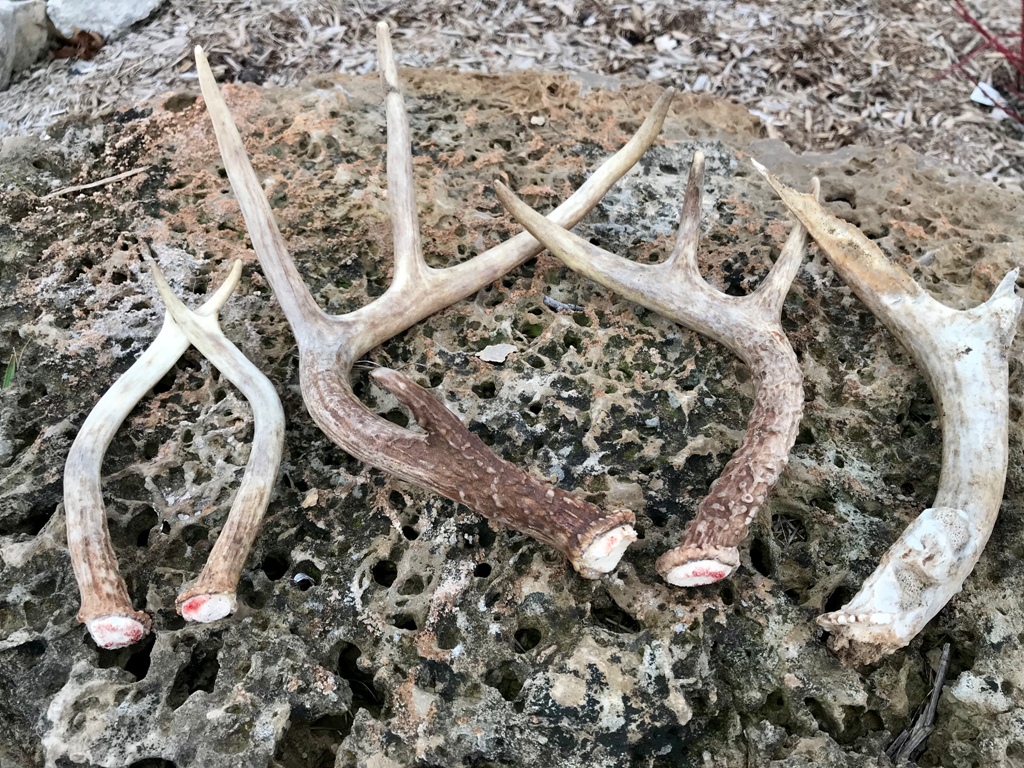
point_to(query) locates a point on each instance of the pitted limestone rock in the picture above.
(379, 625)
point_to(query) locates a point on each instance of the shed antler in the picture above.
(212, 597)
(448, 459)
(106, 609)
(749, 326)
(963, 354)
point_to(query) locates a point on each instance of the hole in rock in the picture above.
(313, 744)
(153, 762)
(410, 533)
(141, 524)
(448, 634)
(199, 674)
(134, 659)
(504, 680)
(32, 522)
(398, 417)
(275, 566)
(485, 391)
(728, 592)
(839, 597)
(761, 556)
(178, 102)
(606, 613)
(788, 530)
(404, 621)
(364, 693)
(384, 573)
(825, 721)
(526, 638)
(411, 586)
(482, 570)
(193, 534)
(307, 575)
(859, 722)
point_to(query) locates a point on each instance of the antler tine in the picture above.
(963, 355)
(106, 609)
(292, 294)
(405, 229)
(212, 597)
(683, 259)
(468, 277)
(773, 289)
(448, 460)
(749, 326)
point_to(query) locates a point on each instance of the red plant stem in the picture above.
(1014, 58)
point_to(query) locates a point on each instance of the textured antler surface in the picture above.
(448, 459)
(750, 326)
(963, 354)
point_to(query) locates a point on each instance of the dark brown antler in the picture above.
(448, 459)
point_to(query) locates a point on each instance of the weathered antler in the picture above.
(448, 459)
(750, 326)
(106, 609)
(963, 355)
(212, 597)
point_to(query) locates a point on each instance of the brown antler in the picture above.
(448, 459)
(750, 326)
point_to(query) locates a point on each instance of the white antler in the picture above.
(212, 597)
(750, 326)
(963, 354)
(448, 459)
(106, 609)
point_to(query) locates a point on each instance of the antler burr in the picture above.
(963, 355)
(750, 326)
(448, 459)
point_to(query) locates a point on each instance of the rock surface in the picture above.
(109, 18)
(419, 634)
(22, 36)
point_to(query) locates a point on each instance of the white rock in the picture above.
(22, 36)
(109, 18)
(496, 353)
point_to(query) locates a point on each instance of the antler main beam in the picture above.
(750, 326)
(212, 597)
(963, 355)
(107, 610)
(448, 460)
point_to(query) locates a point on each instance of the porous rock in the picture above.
(419, 634)
(109, 18)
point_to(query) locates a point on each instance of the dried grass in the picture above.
(837, 73)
